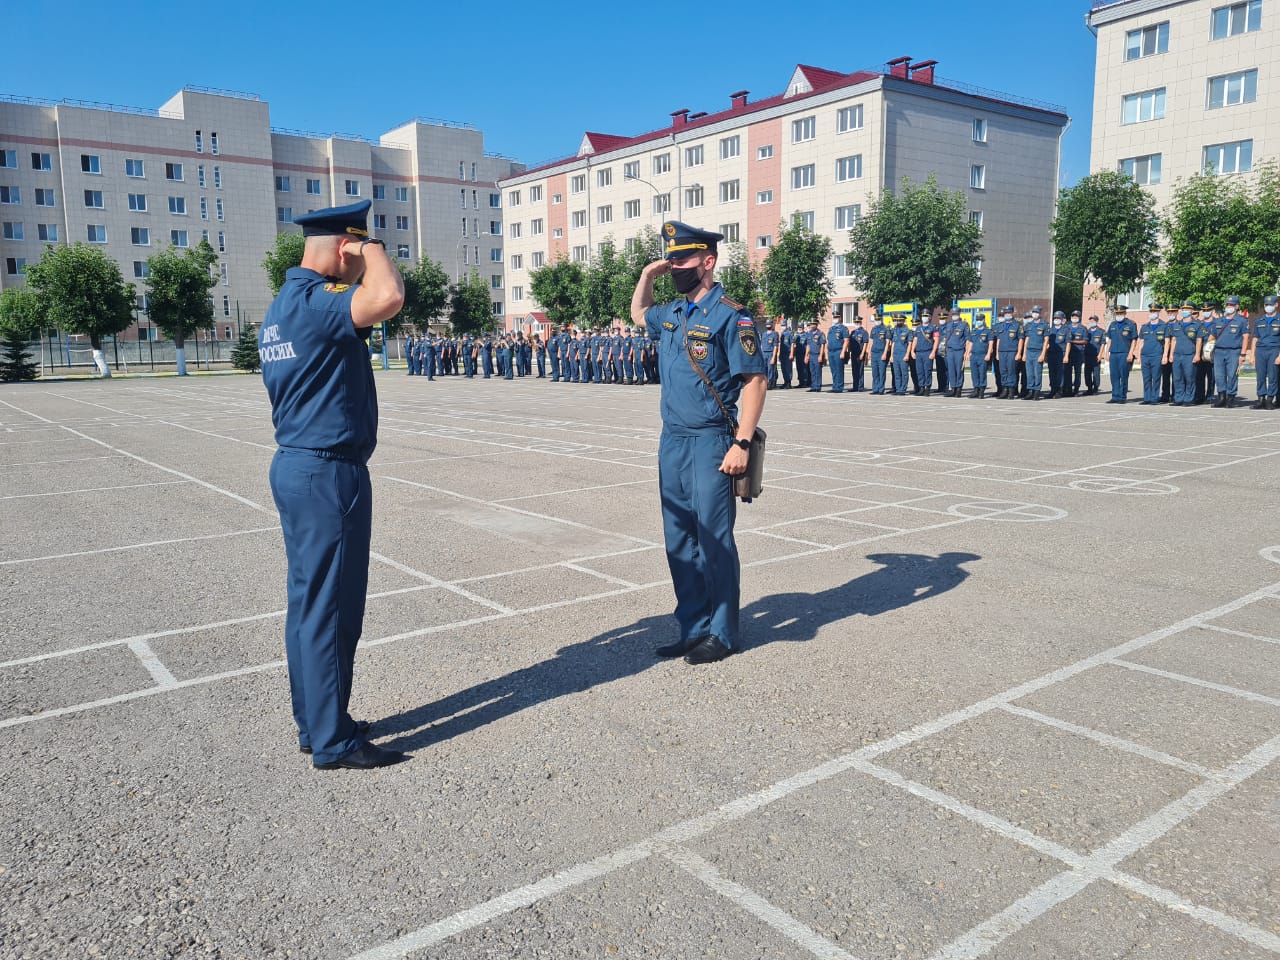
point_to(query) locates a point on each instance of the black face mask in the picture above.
(686, 279)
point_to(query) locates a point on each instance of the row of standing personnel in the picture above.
(574, 357)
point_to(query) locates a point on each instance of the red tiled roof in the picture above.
(604, 142)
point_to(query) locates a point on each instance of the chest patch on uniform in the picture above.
(698, 349)
(337, 287)
(747, 337)
(668, 325)
(699, 333)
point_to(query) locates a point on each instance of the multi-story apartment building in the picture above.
(822, 150)
(1181, 87)
(208, 164)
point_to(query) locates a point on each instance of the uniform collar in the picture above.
(711, 297)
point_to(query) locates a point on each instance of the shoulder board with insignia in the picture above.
(732, 303)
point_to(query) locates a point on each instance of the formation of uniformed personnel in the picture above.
(701, 334)
(315, 366)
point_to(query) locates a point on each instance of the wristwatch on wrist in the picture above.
(381, 243)
(742, 444)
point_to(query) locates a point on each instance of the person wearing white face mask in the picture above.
(1206, 384)
(1187, 341)
(1230, 335)
(1264, 352)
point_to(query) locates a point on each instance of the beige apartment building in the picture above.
(1180, 88)
(208, 164)
(822, 150)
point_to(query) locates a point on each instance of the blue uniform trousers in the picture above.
(786, 363)
(542, 364)
(326, 513)
(617, 370)
(698, 513)
(878, 369)
(583, 370)
(1184, 378)
(857, 374)
(1092, 373)
(1226, 369)
(1265, 360)
(978, 370)
(413, 363)
(815, 376)
(1057, 372)
(1008, 371)
(837, 373)
(900, 368)
(924, 371)
(941, 370)
(1035, 374)
(1120, 367)
(555, 368)
(1074, 366)
(955, 369)
(1150, 378)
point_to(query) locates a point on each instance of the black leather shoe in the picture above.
(708, 651)
(365, 757)
(679, 648)
(362, 729)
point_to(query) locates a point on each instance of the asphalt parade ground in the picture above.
(1010, 685)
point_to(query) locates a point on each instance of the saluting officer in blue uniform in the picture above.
(1119, 349)
(979, 349)
(901, 340)
(1188, 339)
(1154, 347)
(315, 366)
(700, 450)
(836, 349)
(1264, 352)
(878, 346)
(955, 336)
(1230, 336)
(1008, 334)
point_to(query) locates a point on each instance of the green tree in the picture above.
(21, 316)
(178, 284)
(558, 289)
(1221, 239)
(426, 294)
(794, 277)
(244, 355)
(641, 252)
(83, 292)
(916, 244)
(470, 309)
(1106, 228)
(739, 276)
(605, 291)
(286, 253)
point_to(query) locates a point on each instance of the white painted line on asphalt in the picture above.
(159, 672)
(26, 412)
(1227, 924)
(1239, 633)
(437, 582)
(796, 540)
(596, 573)
(648, 482)
(760, 908)
(139, 546)
(1116, 743)
(68, 493)
(41, 463)
(1197, 682)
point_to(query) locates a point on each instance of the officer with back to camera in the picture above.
(313, 344)
(700, 452)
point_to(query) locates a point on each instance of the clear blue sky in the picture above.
(533, 76)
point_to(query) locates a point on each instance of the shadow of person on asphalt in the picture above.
(901, 580)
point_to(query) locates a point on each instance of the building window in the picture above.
(557, 233)
(1235, 157)
(178, 206)
(89, 163)
(661, 164)
(204, 208)
(44, 197)
(13, 231)
(204, 235)
(764, 196)
(806, 128)
(839, 266)
(284, 214)
(577, 183)
(514, 229)
(14, 266)
(730, 231)
(213, 143)
(975, 218)
(631, 210)
(978, 176)
(1233, 89)
(475, 204)
(93, 198)
(9, 158)
(402, 251)
(1236, 19)
(217, 178)
(803, 177)
(140, 236)
(199, 142)
(537, 259)
(729, 191)
(1141, 107)
(222, 242)
(352, 187)
(693, 156)
(847, 217)
(495, 255)
(803, 218)
(979, 130)
(495, 281)
(464, 228)
(462, 170)
(517, 261)
(849, 118)
(604, 214)
(693, 197)
(41, 161)
(218, 207)
(578, 219)
(764, 242)
(580, 254)
(849, 168)
(402, 194)
(517, 294)
(730, 147)
(402, 223)
(138, 202)
(47, 232)
(1144, 170)
(313, 187)
(173, 171)
(141, 269)
(379, 191)
(13, 195)
(557, 199)
(765, 152)
(631, 170)
(282, 184)
(1146, 42)
(132, 167)
(535, 193)
(604, 177)
(200, 175)
(222, 269)
(178, 238)
(536, 227)
(513, 198)
(662, 203)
